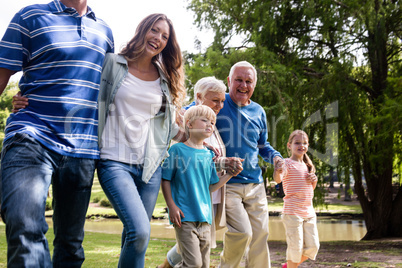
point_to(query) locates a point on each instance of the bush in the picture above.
(96, 199)
(104, 202)
(48, 204)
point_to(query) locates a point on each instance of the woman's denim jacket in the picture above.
(162, 126)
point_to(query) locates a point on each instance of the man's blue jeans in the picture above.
(28, 169)
(134, 202)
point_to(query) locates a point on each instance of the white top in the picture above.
(126, 130)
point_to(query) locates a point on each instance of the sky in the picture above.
(123, 17)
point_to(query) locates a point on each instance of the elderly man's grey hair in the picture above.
(243, 64)
(207, 84)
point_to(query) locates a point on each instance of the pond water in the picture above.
(328, 229)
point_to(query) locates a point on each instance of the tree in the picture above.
(347, 53)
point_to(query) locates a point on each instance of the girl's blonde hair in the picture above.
(306, 159)
(196, 112)
(169, 60)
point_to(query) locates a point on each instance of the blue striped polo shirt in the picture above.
(61, 56)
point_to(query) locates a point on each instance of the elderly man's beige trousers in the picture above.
(247, 222)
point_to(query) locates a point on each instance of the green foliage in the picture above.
(3, 119)
(97, 193)
(104, 202)
(49, 204)
(6, 106)
(7, 97)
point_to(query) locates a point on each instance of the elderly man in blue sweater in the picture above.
(243, 127)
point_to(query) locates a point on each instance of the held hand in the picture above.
(233, 165)
(175, 215)
(278, 164)
(279, 169)
(19, 102)
(311, 177)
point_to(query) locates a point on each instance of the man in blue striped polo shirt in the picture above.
(60, 48)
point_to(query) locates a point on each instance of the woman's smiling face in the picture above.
(214, 100)
(157, 38)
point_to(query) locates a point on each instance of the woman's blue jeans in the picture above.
(134, 202)
(28, 169)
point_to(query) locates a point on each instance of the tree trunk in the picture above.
(382, 214)
(348, 196)
(395, 228)
(331, 177)
(378, 204)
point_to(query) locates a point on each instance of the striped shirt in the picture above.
(61, 56)
(299, 193)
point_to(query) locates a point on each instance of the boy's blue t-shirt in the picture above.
(190, 172)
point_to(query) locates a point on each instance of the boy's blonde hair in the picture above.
(306, 159)
(196, 112)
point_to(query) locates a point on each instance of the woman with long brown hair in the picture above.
(140, 90)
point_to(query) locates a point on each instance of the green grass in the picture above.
(97, 195)
(101, 250)
(341, 208)
(276, 204)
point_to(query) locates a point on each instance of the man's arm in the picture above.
(5, 75)
(269, 154)
(265, 149)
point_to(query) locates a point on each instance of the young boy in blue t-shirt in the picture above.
(188, 177)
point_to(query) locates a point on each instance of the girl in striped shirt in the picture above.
(299, 181)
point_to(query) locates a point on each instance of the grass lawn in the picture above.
(101, 250)
(274, 204)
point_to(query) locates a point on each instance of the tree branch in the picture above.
(368, 89)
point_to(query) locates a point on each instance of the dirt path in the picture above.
(376, 253)
(379, 253)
